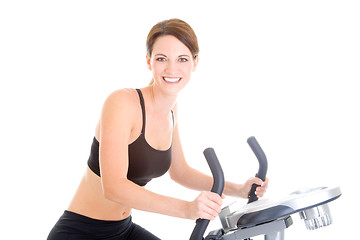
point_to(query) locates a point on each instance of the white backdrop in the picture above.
(283, 71)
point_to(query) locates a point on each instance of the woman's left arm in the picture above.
(182, 173)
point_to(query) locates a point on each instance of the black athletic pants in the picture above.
(73, 226)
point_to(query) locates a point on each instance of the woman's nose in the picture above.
(170, 68)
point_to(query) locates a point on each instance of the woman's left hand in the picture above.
(260, 191)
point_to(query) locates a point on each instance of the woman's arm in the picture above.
(191, 178)
(119, 115)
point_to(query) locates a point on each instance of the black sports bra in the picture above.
(145, 162)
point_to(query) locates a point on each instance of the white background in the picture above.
(283, 71)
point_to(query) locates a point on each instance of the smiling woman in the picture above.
(136, 140)
(171, 63)
(182, 32)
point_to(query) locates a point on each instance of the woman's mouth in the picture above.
(172, 79)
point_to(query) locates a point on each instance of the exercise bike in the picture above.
(265, 217)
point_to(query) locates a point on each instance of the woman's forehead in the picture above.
(170, 45)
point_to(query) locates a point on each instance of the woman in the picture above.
(137, 139)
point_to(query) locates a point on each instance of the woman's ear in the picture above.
(148, 62)
(196, 61)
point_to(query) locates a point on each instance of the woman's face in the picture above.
(171, 63)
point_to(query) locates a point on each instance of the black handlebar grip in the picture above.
(263, 165)
(216, 170)
(218, 187)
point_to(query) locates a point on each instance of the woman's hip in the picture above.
(75, 226)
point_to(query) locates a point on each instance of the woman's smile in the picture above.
(172, 79)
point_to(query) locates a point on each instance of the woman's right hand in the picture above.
(206, 206)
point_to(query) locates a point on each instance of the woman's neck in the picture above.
(161, 102)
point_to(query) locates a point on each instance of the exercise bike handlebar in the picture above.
(218, 187)
(263, 165)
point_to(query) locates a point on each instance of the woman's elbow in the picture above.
(114, 192)
(172, 176)
(176, 176)
(110, 195)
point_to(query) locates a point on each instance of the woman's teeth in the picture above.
(172, 80)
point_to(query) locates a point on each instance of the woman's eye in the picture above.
(183, 60)
(161, 59)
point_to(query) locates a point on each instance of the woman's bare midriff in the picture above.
(89, 200)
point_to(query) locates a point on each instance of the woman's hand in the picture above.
(206, 206)
(260, 191)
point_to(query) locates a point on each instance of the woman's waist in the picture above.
(88, 219)
(90, 201)
(100, 213)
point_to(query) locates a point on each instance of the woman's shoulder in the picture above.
(122, 99)
(123, 93)
(121, 96)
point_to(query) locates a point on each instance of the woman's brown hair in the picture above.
(177, 28)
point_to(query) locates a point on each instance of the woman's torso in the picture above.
(89, 199)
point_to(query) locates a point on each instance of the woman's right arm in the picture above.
(119, 114)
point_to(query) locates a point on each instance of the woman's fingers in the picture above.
(206, 206)
(260, 191)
